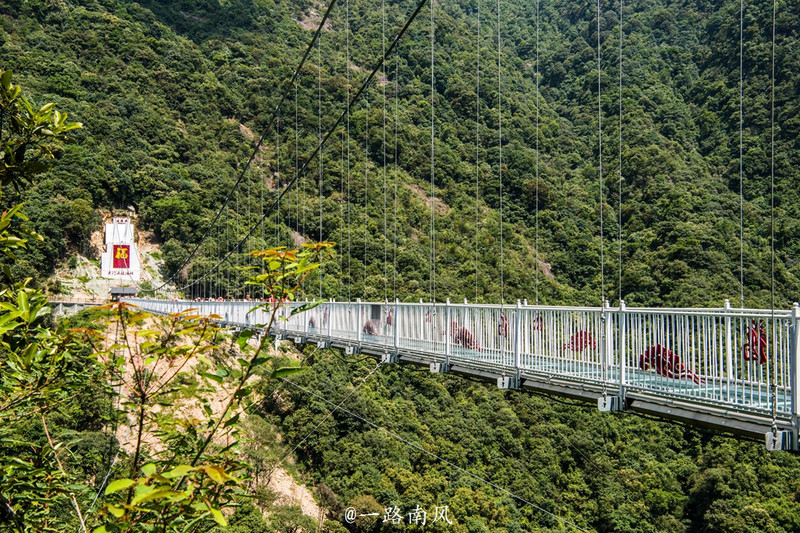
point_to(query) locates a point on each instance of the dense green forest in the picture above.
(602, 472)
(173, 97)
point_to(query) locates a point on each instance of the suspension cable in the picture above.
(338, 121)
(277, 182)
(477, 143)
(366, 191)
(600, 163)
(347, 111)
(500, 145)
(227, 273)
(319, 137)
(261, 187)
(249, 289)
(296, 166)
(396, 122)
(236, 220)
(341, 217)
(536, 210)
(433, 172)
(257, 149)
(301, 229)
(619, 163)
(383, 116)
(772, 233)
(741, 153)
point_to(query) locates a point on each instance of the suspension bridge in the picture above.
(711, 367)
(728, 368)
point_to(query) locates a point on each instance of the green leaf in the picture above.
(305, 307)
(179, 471)
(149, 469)
(151, 495)
(212, 377)
(47, 107)
(287, 371)
(231, 421)
(217, 473)
(118, 485)
(117, 512)
(5, 80)
(217, 516)
(243, 337)
(23, 301)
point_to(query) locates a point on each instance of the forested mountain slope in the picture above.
(173, 95)
(603, 472)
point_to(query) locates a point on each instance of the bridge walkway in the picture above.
(726, 368)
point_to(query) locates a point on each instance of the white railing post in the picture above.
(359, 326)
(795, 373)
(305, 325)
(606, 402)
(789, 439)
(330, 317)
(422, 333)
(395, 328)
(448, 334)
(623, 360)
(728, 347)
(608, 339)
(517, 337)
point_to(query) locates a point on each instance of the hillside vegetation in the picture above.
(602, 472)
(173, 97)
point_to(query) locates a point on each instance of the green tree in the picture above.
(40, 367)
(28, 135)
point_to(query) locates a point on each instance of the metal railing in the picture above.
(742, 359)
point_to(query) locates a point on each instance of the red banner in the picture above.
(122, 254)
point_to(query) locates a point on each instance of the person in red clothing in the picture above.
(666, 363)
(463, 337)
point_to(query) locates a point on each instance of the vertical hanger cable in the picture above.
(536, 240)
(741, 153)
(384, 81)
(500, 145)
(600, 162)
(433, 172)
(477, 145)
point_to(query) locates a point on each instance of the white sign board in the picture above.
(121, 258)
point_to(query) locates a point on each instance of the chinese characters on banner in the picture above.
(393, 515)
(121, 256)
